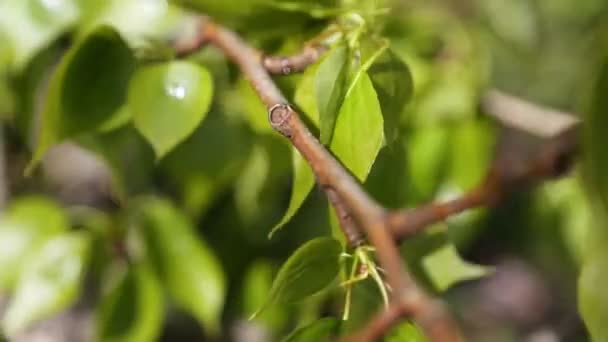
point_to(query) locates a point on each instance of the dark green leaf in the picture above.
(393, 83)
(133, 308)
(321, 330)
(27, 223)
(303, 182)
(358, 135)
(168, 101)
(88, 87)
(308, 270)
(330, 88)
(50, 281)
(191, 272)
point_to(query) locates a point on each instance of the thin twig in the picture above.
(285, 65)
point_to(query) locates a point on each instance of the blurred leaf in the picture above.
(445, 267)
(475, 140)
(31, 25)
(405, 332)
(169, 101)
(49, 283)
(426, 156)
(330, 88)
(249, 103)
(393, 84)
(303, 182)
(310, 269)
(304, 96)
(592, 295)
(358, 135)
(256, 286)
(189, 269)
(595, 137)
(133, 308)
(88, 87)
(27, 223)
(322, 330)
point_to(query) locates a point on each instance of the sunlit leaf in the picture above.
(168, 101)
(133, 308)
(330, 88)
(321, 330)
(592, 295)
(303, 182)
(189, 269)
(27, 223)
(308, 270)
(445, 267)
(358, 135)
(405, 332)
(88, 87)
(49, 283)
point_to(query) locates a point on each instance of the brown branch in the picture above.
(330, 174)
(285, 65)
(351, 231)
(520, 160)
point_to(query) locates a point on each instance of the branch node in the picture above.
(279, 116)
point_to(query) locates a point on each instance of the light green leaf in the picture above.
(445, 267)
(50, 282)
(28, 222)
(133, 308)
(474, 138)
(31, 25)
(256, 286)
(426, 155)
(330, 88)
(592, 295)
(394, 85)
(88, 87)
(303, 182)
(308, 270)
(168, 101)
(405, 332)
(358, 135)
(322, 330)
(304, 96)
(191, 272)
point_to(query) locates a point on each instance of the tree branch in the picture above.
(369, 215)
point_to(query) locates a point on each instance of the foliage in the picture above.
(212, 215)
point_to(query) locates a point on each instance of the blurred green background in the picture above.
(128, 216)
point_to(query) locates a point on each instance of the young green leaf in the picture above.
(321, 330)
(50, 282)
(168, 101)
(330, 88)
(27, 223)
(359, 128)
(133, 309)
(187, 266)
(87, 89)
(303, 182)
(308, 270)
(445, 267)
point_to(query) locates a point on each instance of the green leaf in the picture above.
(358, 134)
(28, 222)
(31, 25)
(445, 267)
(88, 87)
(322, 330)
(303, 182)
(308, 270)
(596, 139)
(189, 269)
(50, 282)
(393, 83)
(256, 286)
(330, 88)
(133, 308)
(168, 101)
(592, 295)
(405, 332)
